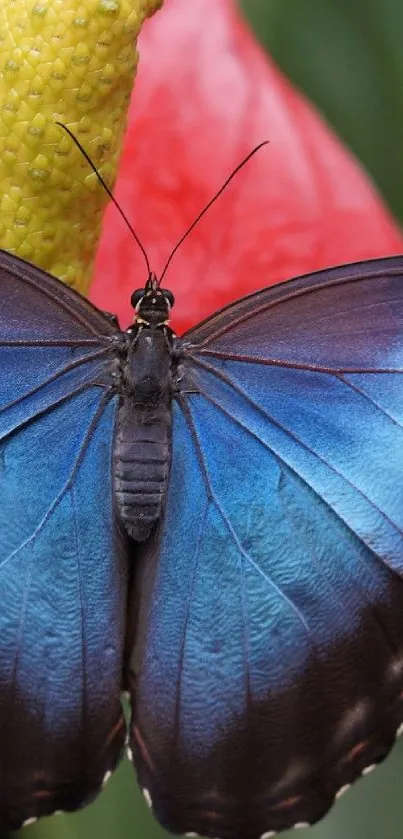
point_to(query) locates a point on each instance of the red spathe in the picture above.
(205, 95)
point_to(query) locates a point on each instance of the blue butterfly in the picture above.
(213, 523)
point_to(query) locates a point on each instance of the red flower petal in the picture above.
(205, 95)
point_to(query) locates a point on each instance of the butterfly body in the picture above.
(256, 615)
(145, 385)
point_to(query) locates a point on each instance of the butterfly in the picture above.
(212, 523)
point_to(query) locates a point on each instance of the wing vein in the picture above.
(237, 389)
(53, 378)
(194, 351)
(84, 703)
(195, 564)
(212, 495)
(66, 486)
(370, 399)
(54, 342)
(28, 420)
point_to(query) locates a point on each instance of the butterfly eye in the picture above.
(136, 297)
(169, 296)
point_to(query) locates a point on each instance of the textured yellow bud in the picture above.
(71, 61)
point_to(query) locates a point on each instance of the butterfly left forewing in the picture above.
(269, 668)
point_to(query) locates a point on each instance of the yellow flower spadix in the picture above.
(71, 61)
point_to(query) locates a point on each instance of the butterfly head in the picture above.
(152, 304)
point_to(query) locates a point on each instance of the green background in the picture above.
(347, 56)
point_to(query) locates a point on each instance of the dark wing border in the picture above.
(214, 326)
(92, 319)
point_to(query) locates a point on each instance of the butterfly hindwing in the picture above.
(268, 672)
(62, 570)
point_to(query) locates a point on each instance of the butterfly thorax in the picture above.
(142, 452)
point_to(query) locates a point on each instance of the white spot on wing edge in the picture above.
(191, 834)
(342, 790)
(129, 754)
(27, 822)
(395, 668)
(300, 825)
(399, 731)
(106, 777)
(147, 797)
(369, 769)
(268, 835)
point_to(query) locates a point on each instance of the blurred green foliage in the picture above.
(347, 56)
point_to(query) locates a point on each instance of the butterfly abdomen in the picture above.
(141, 472)
(142, 450)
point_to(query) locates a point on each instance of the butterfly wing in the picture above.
(269, 667)
(62, 570)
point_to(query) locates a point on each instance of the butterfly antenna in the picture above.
(212, 200)
(106, 188)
